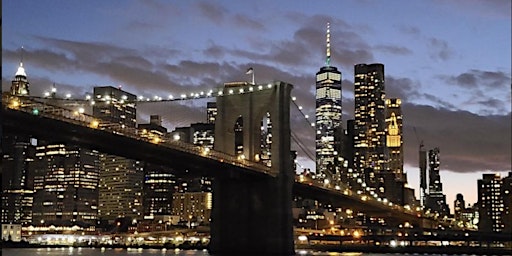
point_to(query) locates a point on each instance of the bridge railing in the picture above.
(45, 109)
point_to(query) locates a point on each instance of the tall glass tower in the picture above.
(370, 150)
(328, 117)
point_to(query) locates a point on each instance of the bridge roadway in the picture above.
(62, 125)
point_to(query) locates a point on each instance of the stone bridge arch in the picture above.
(254, 216)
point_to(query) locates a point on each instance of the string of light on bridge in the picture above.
(203, 94)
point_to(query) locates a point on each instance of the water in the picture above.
(146, 252)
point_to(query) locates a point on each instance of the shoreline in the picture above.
(449, 250)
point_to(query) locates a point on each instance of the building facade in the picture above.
(17, 179)
(494, 203)
(370, 150)
(65, 186)
(121, 179)
(394, 138)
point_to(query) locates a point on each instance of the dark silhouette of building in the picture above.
(436, 200)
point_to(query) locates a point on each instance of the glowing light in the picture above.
(81, 110)
(302, 238)
(46, 94)
(260, 87)
(269, 86)
(294, 98)
(68, 96)
(87, 97)
(176, 137)
(231, 91)
(94, 124)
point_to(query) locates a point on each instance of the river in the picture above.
(147, 252)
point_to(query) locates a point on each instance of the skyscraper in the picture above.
(494, 203)
(459, 205)
(436, 200)
(370, 153)
(329, 129)
(20, 84)
(18, 154)
(17, 186)
(120, 178)
(65, 185)
(490, 202)
(159, 181)
(394, 138)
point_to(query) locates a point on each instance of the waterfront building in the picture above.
(329, 128)
(65, 186)
(120, 178)
(192, 207)
(17, 186)
(159, 182)
(11, 232)
(18, 154)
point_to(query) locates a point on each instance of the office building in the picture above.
(121, 179)
(193, 207)
(159, 182)
(211, 112)
(18, 154)
(65, 186)
(494, 203)
(329, 128)
(17, 186)
(435, 200)
(370, 150)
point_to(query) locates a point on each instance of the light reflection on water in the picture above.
(146, 252)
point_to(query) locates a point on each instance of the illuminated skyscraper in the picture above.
(494, 203)
(65, 186)
(370, 153)
(329, 129)
(490, 203)
(20, 84)
(120, 178)
(18, 154)
(17, 186)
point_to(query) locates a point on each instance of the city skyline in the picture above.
(147, 58)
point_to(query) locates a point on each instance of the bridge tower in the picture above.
(253, 216)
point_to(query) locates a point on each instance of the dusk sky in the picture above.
(448, 60)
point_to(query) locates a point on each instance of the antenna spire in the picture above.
(328, 44)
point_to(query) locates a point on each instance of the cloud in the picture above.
(439, 49)
(474, 78)
(213, 12)
(392, 49)
(468, 142)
